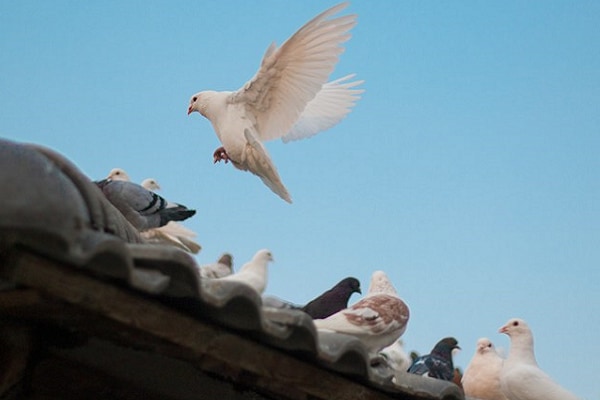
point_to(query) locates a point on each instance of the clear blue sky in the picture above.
(469, 171)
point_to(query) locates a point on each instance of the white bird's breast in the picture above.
(229, 125)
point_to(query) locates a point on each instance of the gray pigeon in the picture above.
(437, 364)
(142, 208)
(333, 300)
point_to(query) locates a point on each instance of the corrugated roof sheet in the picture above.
(54, 212)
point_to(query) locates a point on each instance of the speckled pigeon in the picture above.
(437, 364)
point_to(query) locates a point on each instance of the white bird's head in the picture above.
(199, 102)
(150, 184)
(118, 174)
(381, 284)
(263, 255)
(515, 327)
(484, 345)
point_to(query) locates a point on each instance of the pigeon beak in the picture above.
(502, 329)
(190, 110)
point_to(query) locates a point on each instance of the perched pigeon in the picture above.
(119, 174)
(377, 320)
(150, 184)
(288, 98)
(437, 364)
(175, 234)
(222, 268)
(481, 379)
(333, 300)
(520, 377)
(142, 208)
(254, 272)
(396, 357)
(172, 233)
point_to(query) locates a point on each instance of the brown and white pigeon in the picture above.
(377, 320)
(438, 363)
(288, 98)
(481, 379)
(521, 378)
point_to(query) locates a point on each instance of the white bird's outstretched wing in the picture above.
(331, 104)
(290, 76)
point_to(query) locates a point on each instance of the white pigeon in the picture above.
(396, 356)
(150, 184)
(222, 268)
(521, 378)
(377, 320)
(172, 233)
(288, 98)
(254, 272)
(481, 379)
(119, 174)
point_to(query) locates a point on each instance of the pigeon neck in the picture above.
(521, 348)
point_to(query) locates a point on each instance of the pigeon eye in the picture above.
(194, 99)
(516, 323)
(489, 345)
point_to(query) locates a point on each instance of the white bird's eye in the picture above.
(516, 323)
(194, 99)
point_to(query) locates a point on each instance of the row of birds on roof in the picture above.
(289, 98)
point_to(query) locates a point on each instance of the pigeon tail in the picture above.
(178, 213)
(259, 163)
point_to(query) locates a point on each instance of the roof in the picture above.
(70, 262)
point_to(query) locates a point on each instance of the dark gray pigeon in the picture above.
(333, 300)
(330, 302)
(142, 208)
(437, 364)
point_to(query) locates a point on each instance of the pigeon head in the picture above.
(515, 327)
(263, 255)
(200, 101)
(352, 285)
(150, 184)
(381, 284)
(226, 259)
(445, 346)
(118, 174)
(484, 345)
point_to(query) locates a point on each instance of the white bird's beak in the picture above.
(502, 329)
(190, 109)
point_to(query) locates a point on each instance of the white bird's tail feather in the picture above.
(259, 163)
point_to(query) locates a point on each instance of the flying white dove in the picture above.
(172, 233)
(288, 98)
(254, 272)
(521, 378)
(481, 379)
(222, 268)
(377, 320)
